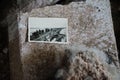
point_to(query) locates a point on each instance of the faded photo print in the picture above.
(50, 30)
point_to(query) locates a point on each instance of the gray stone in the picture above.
(92, 44)
(27, 5)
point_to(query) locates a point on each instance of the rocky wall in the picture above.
(16, 72)
(28, 5)
(91, 48)
(11, 20)
(91, 35)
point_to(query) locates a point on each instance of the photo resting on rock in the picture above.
(48, 30)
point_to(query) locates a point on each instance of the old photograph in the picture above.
(50, 30)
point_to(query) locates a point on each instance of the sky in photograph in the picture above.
(35, 22)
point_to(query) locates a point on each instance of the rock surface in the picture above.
(27, 5)
(90, 55)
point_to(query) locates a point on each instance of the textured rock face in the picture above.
(86, 65)
(14, 50)
(91, 53)
(27, 5)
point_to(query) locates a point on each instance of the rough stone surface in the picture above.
(87, 65)
(90, 55)
(27, 5)
(16, 72)
(11, 21)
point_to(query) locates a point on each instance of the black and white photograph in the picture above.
(50, 30)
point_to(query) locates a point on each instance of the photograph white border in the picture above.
(67, 36)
